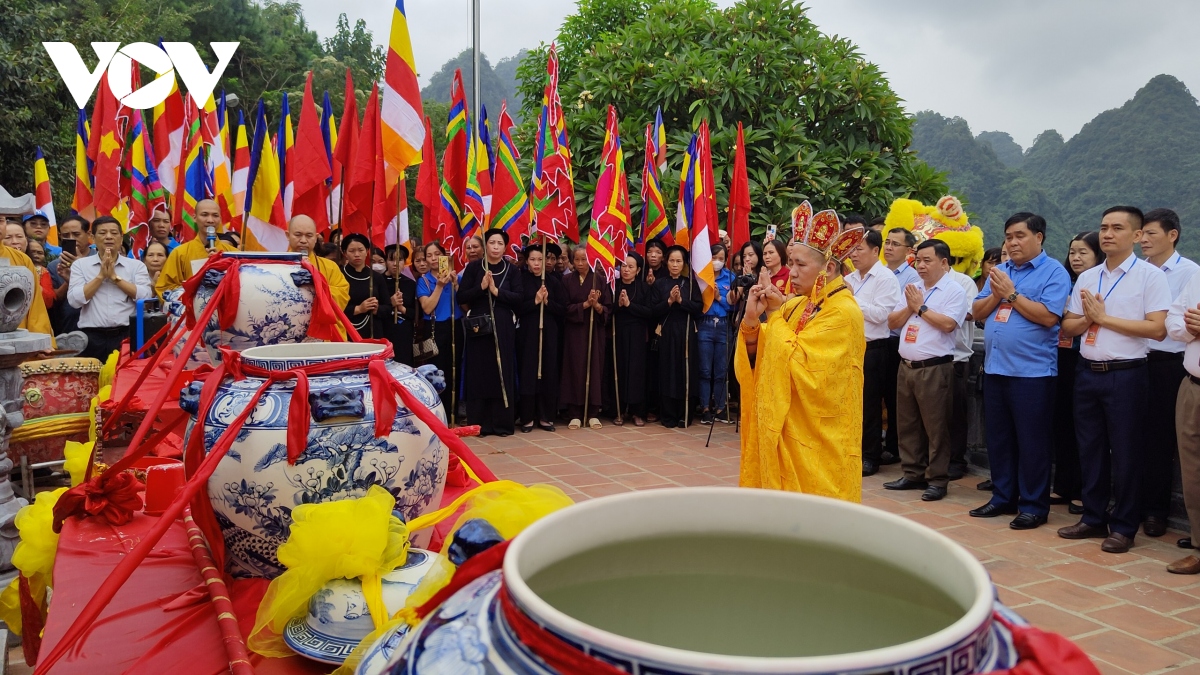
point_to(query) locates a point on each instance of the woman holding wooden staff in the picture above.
(539, 396)
(654, 269)
(370, 303)
(491, 290)
(403, 292)
(589, 302)
(435, 291)
(677, 306)
(632, 321)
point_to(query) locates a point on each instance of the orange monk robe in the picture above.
(802, 399)
(178, 267)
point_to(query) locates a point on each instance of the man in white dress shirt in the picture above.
(964, 339)
(877, 292)
(1183, 325)
(928, 316)
(897, 246)
(105, 287)
(1160, 234)
(1119, 307)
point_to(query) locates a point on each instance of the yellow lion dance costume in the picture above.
(946, 222)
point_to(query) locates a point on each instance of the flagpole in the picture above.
(396, 284)
(475, 59)
(687, 363)
(616, 378)
(542, 311)
(587, 380)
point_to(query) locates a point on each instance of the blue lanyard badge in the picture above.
(1100, 285)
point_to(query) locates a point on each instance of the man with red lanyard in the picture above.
(1183, 324)
(928, 315)
(1119, 307)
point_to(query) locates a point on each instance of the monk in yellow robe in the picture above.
(801, 377)
(179, 265)
(36, 320)
(302, 238)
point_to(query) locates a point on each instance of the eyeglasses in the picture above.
(889, 242)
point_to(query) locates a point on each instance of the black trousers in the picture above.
(673, 410)
(1161, 447)
(537, 408)
(446, 360)
(1019, 440)
(958, 419)
(103, 341)
(875, 378)
(890, 443)
(1067, 480)
(491, 415)
(1110, 423)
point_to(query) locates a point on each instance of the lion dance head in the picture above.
(946, 221)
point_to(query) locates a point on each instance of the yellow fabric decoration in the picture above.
(77, 455)
(335, 540)
(66, 424)
(802, 399)
(109, 370)
(33, 557)
(511, 511)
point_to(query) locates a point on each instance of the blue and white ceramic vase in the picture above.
(254, 489)
(469, 633)
(274, 308)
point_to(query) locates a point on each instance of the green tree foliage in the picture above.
(492, 90)
(821, 122)
(1007, 150)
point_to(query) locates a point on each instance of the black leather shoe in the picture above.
(1184, 542)
(957, 473)
(985, 486)
(888, 459)
(933, 493)
(526, 428)
(1117, 543)
(905, 483)
(991, 510)
(1027, 521)
(1075, 509)
(1154, 526)
(869, 468)
(1082, 530)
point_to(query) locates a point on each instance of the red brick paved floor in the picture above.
(1125, 610)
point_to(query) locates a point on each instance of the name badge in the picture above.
(1090, 340)
(910, 334)
(1064, 341)
(1003, 312)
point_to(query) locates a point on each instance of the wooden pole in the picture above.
(587, 379)
(542, 312)
(396, 281)
(496, 334)
(616, 378)
(453, 353)
(687, 363)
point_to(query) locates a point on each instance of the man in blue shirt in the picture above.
(1023, 300)
(713, 343)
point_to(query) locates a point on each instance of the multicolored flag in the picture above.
(334, 184)
(146, 192)
(485, 137)
(738, 223)
(689, 187)
(81, 201)
(454, 215)
(553, 190)
(284, 140)
(510, 204)
(265, 224)
(345, 149)
(41, 194)
(608, 235)
(241, 174)
(401, 128)
(660, 142)
(193, 183)
(428, 189)
(704, 227)
(654, 211)
(478, 201)
(169, 133)
(220, 169)
(309, 167)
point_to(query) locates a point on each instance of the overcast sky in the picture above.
(1021, 66)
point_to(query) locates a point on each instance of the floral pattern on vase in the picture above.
(275, 305)
(254, 490)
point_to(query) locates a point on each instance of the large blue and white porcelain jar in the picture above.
(593, 581)
(254, 489)
(274, 306)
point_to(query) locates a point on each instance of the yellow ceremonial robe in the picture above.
(802, 399)
(36, 320)
(339, 288)
(178, 267)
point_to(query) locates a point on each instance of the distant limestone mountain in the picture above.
(496, 84)
(1145, 153)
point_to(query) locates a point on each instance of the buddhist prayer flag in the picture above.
(688, 186)
(704, 225)
(429, 188)
(401, 128)
(192, 183)
(284, 140)
(660, 142)
(360, 182)
(654, 211)
(41, 194)
(553, 192)
(220, 169)
(334, 183)
(169, 133)
(479, 188)
(241, 174)
(454, 171)
(738, 223)
(309, 164)
(510, 204)
(607, 236)
(146, 191)
(81, 201)
(264, 204)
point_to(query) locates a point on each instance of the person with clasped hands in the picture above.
(1022, 300)
(105, 287)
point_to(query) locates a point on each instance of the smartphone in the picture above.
(443, 265)
(68, 246)
(771, 230)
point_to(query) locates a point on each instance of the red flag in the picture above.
(105, 148)
(709, 196)
(346, 150)
(454, 172)
(510, 204)
(739, 197)
(310, 163)
(428, 189)
(384, 210)
(359, 187)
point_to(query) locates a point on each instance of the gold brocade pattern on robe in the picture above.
(802, 399)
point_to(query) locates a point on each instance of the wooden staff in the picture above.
(495, 330)
(587, 379)
(396, 281)
(542, 311)
(453, 352)
(616, 378)
(687, 341)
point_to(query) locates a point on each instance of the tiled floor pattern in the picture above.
(1125, 610)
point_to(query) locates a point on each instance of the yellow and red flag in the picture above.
(510, 204)
(454, 217)
(553, 192)
(81, 201)
(654, 211)
(402, 130)
(41, 194)
(241, 174)
(265, 225)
